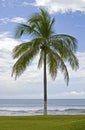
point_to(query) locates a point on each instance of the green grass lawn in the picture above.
(68, 122)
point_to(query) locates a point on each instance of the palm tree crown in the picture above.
(54, 49)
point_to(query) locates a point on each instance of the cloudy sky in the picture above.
(70, 19)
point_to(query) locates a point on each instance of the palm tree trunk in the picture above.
(45, 85)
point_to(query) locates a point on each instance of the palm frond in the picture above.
(66, 54)
(24, 61)
(43, 23)
(66, 40)
(58, 47)
(55, 62)
(52, 65)
(24, 29)
(51, 32)
(73, 61)
(20, 49)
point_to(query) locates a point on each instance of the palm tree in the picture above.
(54, 49)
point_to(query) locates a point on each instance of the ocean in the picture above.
(25, 107)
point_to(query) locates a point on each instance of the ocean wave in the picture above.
(63, 111)
(26, 111)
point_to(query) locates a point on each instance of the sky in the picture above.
(69, 19)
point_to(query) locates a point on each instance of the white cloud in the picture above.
(62, 6)
(74, 93)
(7, 43)
(18, 20)
(13, 20)
(27, 4)
(6, 62)
(70, 94)
(2, 35)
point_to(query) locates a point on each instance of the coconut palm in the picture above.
(54, 49)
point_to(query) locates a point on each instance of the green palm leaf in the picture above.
(55, 63)
(24, 60)
(66, 40)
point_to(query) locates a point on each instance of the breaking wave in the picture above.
(21, 111)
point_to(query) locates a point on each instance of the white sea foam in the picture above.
(39, 111)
